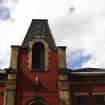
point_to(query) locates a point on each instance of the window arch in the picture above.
(38, 56)
(36, 100)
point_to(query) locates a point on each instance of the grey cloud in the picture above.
(4, 13)
(83, 30)
(5, 9)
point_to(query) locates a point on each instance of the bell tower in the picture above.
(39, 41)
(38, 63)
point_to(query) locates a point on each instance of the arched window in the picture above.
(36, 104)
(37, 101)
(38, 56)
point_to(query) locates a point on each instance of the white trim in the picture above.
(5, 95)
(98, 93)
(80, 94)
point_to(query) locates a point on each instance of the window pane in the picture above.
(38, 55)
(81, 100)
(98, 99)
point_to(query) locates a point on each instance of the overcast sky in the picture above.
(77, 24)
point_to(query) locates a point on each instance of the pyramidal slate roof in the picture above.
(39, 27)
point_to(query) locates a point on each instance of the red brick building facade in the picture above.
(38, 75)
